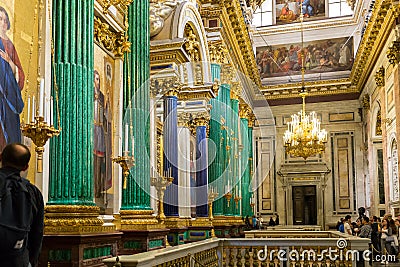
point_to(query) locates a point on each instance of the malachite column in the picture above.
(171, 207)
(234, 161)
(135, 195)
(244, 160)
(251, 163)
(71, 168)
(201, 167)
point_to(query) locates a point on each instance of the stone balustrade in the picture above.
(259, 248)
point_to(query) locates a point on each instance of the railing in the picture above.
(302, 249)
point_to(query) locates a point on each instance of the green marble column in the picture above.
(251, 166)
(137, 95)
(71, 168)
(234, 161)
(244, 161)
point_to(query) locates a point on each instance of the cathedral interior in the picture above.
(159, 128)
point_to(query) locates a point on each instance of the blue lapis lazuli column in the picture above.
(202, 171)
(171, 154)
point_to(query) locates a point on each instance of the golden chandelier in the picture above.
(304, 137)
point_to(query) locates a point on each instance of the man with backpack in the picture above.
(21, 210)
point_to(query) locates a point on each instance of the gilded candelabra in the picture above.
(228, 197)
(39, 132)
(160, 183)
(126, 162)
(212, 195)
(236, 199)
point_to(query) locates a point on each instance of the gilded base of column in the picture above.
(139, 220)
(224, 220)
(201, 222)
(74, 219)
(176, 222)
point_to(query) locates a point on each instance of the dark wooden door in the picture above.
(304, 205)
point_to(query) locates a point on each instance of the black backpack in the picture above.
(16, 213)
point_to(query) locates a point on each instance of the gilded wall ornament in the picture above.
(380, 77)
(123, 4)
(159, 11)
(115, 42)
(393, 53)
(366, 102)
(192, 45)
(378, 125)
(351, 3)
(218, 52)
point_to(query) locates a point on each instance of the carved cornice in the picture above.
(197, 92)
(115, 42)
(393, 53)
(383, 16)
(380, 77)
(167, 53)
(159, 11)
(315, 88)
(234, 20)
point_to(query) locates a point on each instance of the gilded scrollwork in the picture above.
(169, 86)
(160, 10)
(380, 77)
(393, 53)
(244, 111)
(115, 42)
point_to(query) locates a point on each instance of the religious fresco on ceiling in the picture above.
(103, 78)
(18, 68)
(320, 56)
(289, 11)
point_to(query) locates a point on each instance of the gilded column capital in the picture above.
(252, 119)
(366, 102)
(184, 119)
(218, 52)
(244, 111)
(227, 73)
(380, 77)
(198, 119)
(393, 53)
(236, 90)
(167, 86)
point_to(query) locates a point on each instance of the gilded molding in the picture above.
(393, 53)
(74, 219)
(123, 4)
(160, 10)
(380, 77)
(115, 42)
